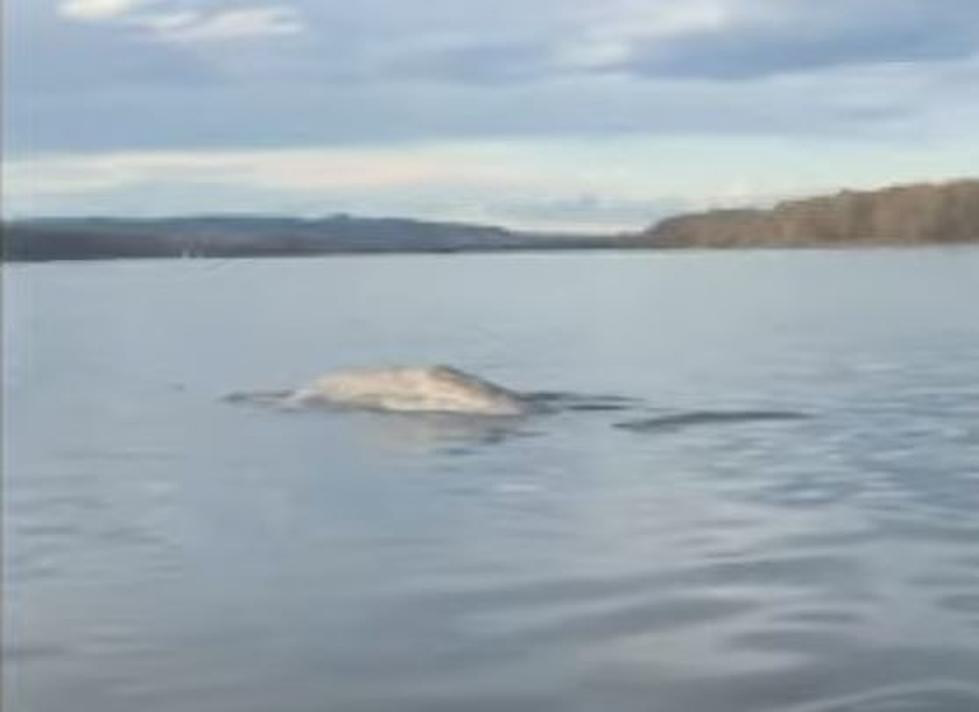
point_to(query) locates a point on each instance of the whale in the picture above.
(408, 389)
(402, 389)
(440, 389)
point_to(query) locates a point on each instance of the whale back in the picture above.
(414, 389)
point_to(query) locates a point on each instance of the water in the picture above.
(165, 550)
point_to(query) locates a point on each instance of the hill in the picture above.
(903, 215)
(247, 236)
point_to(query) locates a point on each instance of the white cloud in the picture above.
(241, 23)
(283, 169)
(632, 18)
(182, 25)
(97, 10)
(608, 31)
(167, 21)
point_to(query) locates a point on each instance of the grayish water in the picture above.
(164, 550)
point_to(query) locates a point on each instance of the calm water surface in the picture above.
(164, 550)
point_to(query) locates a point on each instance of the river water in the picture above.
(167, 550)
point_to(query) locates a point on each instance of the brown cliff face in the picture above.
(904, 215)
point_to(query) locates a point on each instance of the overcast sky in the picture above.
(589, 114)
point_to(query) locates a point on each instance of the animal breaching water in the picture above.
(446, 390)
(431, 389)
(406, 389)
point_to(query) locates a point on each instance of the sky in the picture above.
(586, 115)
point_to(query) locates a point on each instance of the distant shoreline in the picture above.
(345, 253)
(557, 251)
(901, 216)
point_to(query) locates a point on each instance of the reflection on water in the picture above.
(785, 521)
(432, 432)
(454, 432)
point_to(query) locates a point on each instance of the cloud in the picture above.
(483, 42)
(300, 171)
(215, 79)
(163, 22)
(184, 23)
(499, 41)
(594, 184)
(606, 33)
(801, 36)
(475, 63)
(233, 24)
(49, 58)
(97, 10)
(885, 105)
(447, 181)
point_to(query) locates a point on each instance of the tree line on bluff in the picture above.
(902, 215)
(905, 215)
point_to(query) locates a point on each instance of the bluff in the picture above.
(920, 214)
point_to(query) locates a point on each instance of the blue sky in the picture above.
(583, 114)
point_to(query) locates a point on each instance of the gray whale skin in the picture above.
(420, 389)
(443, 389)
